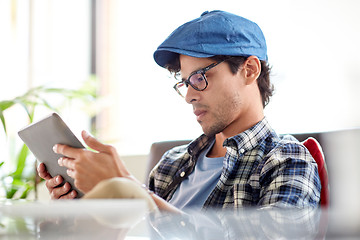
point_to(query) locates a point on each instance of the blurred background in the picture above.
(93, 62)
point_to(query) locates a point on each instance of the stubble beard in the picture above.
(223, 116)
(218, 126)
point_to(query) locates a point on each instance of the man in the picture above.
(240, 160)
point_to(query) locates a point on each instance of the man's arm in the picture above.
(290, 178)
(88, 168)
(164, 205)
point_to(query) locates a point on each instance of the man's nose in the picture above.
(191, 95)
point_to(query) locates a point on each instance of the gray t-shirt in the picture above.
(195, 189)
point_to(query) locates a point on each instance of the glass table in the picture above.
(130, 219)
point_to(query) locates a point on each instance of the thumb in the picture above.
(93, 142)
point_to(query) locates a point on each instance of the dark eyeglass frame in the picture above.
(200, 71)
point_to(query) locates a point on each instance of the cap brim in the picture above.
(164, 56)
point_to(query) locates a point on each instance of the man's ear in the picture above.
(252, 69)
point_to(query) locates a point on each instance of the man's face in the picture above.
(222, 105)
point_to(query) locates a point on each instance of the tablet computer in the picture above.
(41, 136)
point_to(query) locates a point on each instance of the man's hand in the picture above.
(88, 168)
(53, 185)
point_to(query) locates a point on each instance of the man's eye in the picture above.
(200, 78)
(197, 78)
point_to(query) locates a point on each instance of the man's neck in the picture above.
(218, 150)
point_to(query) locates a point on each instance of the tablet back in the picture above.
(41, 136)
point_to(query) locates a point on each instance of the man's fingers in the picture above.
(94, 143)
(69, 195)
(66, 162)
(89, 140)
(70, 173)
(66, 150)
(58, 192)
(43, 173)
(54, 182)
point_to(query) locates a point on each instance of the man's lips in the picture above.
(199, 114)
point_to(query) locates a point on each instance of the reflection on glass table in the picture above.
(130, 220)
(74, 219)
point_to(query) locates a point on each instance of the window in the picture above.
(42, 43)
(313, 54)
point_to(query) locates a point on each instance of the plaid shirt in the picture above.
(259, 169)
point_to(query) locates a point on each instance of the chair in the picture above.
(308, 139)
(158, 149)
(316, 152)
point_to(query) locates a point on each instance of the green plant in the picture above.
(19, 182)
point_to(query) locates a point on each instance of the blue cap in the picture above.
(213, 33)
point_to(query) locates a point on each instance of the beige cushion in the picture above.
(122, 188)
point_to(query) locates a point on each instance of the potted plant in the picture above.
(20, 179)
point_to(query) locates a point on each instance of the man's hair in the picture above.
(265, 86)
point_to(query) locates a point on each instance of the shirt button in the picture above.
(182, 174)
(242, 151)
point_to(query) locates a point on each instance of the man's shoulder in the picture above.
(187, 150)
(176, 153)
(288, 147)
(179, 155)
(289, 144)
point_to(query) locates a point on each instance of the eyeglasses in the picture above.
(197, 80)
